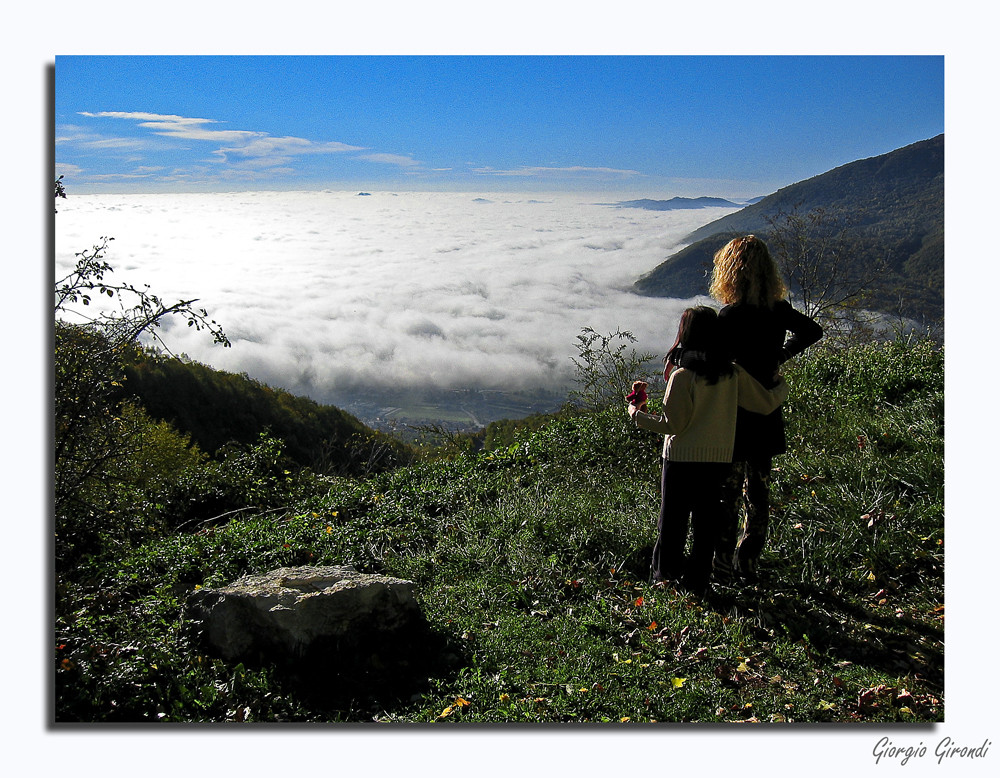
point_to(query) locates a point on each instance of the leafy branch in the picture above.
(606, 366)
(60, 190)
(140, 311)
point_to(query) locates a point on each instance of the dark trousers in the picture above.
(689, 491)
(746, 487)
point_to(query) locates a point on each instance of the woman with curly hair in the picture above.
(698, 422)
(755, 321)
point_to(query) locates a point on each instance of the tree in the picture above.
(606, 368)
(817, 252)
(93, 436)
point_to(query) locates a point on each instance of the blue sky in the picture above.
(730, 126)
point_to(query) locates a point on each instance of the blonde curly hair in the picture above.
(744, 272)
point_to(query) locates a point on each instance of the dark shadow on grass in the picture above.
(382, 680)
(355, 682)
(839, 628)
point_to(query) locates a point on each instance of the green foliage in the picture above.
(112, 462)
(866, 501)
(501, 434)
(606, 366)
(531, 562)
(106, 455)
(218, 408)
(871, 377)
(257, 476)
(161, 455)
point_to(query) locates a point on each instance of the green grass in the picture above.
(531, 565)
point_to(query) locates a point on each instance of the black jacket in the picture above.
(755, 337)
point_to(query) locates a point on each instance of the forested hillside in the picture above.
(887, 210)
(217, 408)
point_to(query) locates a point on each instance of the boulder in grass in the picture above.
(333, 620)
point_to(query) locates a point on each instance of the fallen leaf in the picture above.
(457, 705)
(446, 712)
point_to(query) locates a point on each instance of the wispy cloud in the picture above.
(134, 176)
(238, 155)
(96, 142)
(179, 126)
(282, 150)
(268, 151)
(67, 169)
(574, 171)
(401, 160)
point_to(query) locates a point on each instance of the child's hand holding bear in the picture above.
(637, 396)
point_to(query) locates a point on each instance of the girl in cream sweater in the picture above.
(698, 423)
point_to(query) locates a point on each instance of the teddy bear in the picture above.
(637, 396)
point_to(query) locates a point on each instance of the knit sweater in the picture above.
(699, 418)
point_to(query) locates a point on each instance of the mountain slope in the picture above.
(216, 407)
(895, 204)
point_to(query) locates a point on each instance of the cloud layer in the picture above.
(326, 293)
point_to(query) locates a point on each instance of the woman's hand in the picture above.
(632, 411)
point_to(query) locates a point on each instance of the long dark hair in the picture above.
(698, 346)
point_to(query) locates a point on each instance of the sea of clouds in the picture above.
(327, 294)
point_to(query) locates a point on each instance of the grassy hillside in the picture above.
(532, 566)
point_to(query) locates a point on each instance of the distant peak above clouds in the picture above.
(676, 203)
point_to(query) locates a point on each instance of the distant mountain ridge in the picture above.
(895, 203)
(678, 203)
